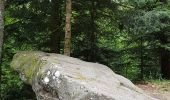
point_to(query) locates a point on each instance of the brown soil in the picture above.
(160, 91)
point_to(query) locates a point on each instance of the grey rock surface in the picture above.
(58, 77)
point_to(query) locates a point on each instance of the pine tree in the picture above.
(1, 27)
(67, 45)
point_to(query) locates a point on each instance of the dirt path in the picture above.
(160, 91)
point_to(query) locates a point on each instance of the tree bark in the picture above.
(1, 27)
(55, 26)
(164, 57)
(141, 59)
(92, 36)
(165, 64)
(1, 31)
(67, 44)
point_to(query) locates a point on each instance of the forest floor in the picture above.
(157, 89)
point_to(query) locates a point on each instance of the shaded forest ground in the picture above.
(157, 89)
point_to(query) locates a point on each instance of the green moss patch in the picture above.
(27, 63)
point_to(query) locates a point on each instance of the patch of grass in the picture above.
(159, 82)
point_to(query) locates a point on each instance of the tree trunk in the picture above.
(92, 35)
(55, 26)
(141, 59)
(67, 44)
(1, 31)
(164, 57)
(165, 63)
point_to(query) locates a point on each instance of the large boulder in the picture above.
(58, 77)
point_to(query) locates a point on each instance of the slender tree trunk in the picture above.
(92, 35)
(55, 26)
(1, 31)
(67, 44)
(142, 61)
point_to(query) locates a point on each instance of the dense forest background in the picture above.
(132, 37)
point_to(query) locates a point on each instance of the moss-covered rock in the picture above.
(26, 63)
(58, 77)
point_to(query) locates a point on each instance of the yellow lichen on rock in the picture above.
(79, 76)
(27, 65)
